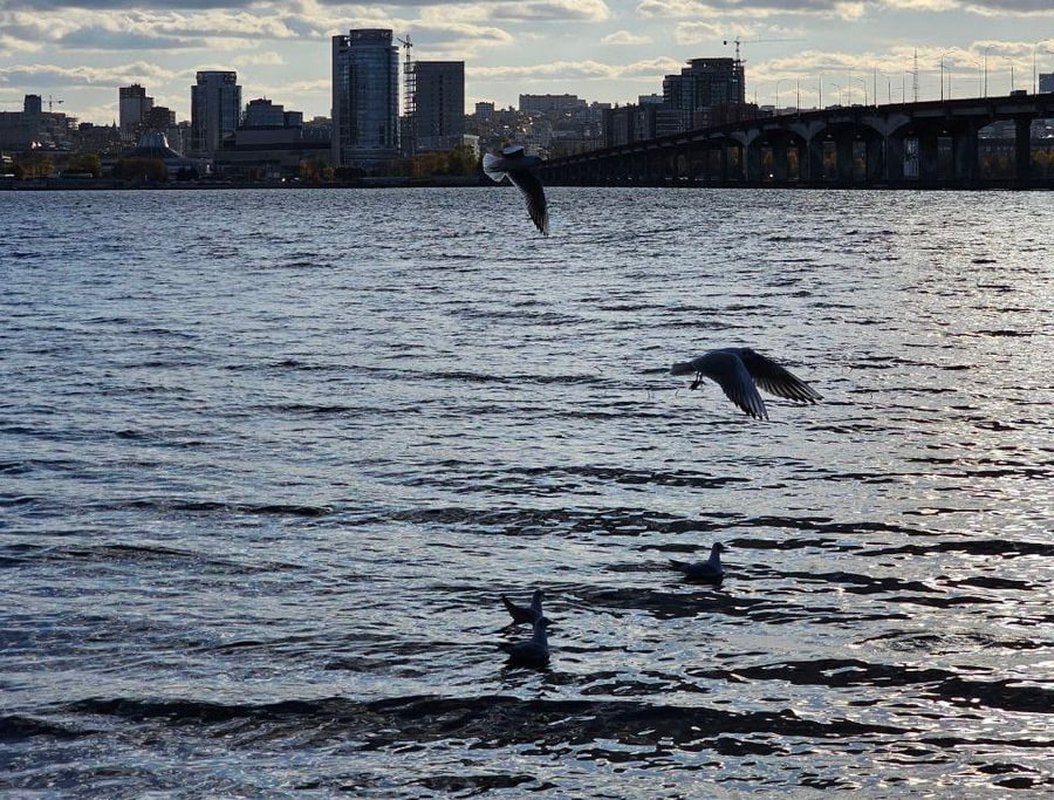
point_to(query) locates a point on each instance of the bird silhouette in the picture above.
(740, 371)
(710, 570)
(521, 614)
(519, 167)
(535, 651)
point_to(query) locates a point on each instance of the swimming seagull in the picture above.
(529, 614)
(519, 166)
(740, 372)
(709, 570)
(535, 651)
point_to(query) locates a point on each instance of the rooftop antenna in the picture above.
(409, 96)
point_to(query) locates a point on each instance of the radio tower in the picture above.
(409, 97)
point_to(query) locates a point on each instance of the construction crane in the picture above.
(737, 42)
(52, 101)
(409, 97)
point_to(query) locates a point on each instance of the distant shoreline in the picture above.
(113, 184)
(470, 181)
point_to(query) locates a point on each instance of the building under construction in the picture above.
(705, 85)
(437, 118)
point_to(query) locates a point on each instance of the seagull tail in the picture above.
(492, 167)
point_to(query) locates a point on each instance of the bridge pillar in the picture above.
(814, 159)
(928, 158)
(725, 166)
(1023, 148)
(844, 155)
(752, 167)
(876, 159)
(736, 167)
(967, 162)
(780, 163)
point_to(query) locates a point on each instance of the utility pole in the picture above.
(915, 77)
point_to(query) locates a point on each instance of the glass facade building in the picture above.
(365, 98)
(215, 110)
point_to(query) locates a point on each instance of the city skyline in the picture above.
(80, 51)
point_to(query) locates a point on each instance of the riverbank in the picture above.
(114, 184)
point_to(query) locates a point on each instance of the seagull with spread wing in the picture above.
(519, 167)
(740, 371)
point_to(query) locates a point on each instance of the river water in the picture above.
(268, 460)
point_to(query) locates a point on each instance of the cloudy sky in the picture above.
(81, 51)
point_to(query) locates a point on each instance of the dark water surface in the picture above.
(269, 459)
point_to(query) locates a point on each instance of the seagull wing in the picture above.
(732, 375)
(528, 183)
(776, 380)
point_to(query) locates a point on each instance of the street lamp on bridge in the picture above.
(986, 69)
(864, 84)
(777, 103)
(946, 52)
(837, 86)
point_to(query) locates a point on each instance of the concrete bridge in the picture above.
(905, 145)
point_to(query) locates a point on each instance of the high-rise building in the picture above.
(705, 83)
(365, 98)
(1046, 81)
(33, 104)
(262, 113)
(159, 118)
(439, 109)
(134, 105)
(215, 109)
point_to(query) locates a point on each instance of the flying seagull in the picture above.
(710, 570)
(740, 372)
(529, 614)
(519, 167)
(535, 651)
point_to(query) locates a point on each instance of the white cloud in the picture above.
(117, 75)
(579, 70)
(625, 38)
(702, 33)
(268, 59)
(10, 45)
(758, 9)
(589, 10)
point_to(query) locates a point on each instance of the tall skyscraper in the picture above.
(439, 109)
(365, 98)
(706, 83)
(215, 109)
(134, 105)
